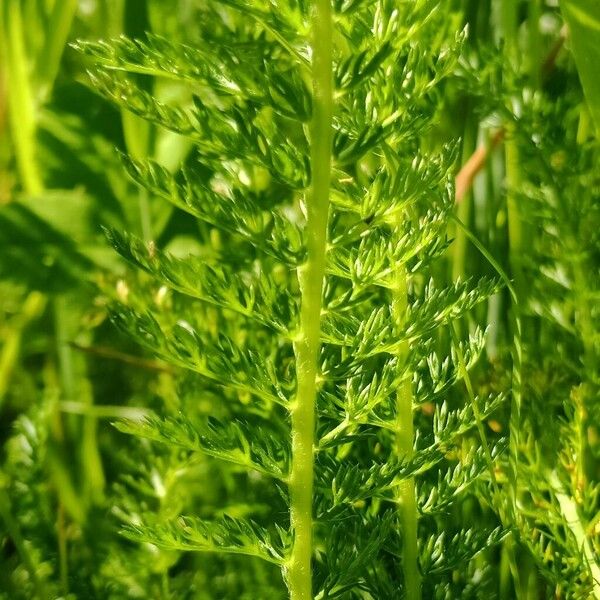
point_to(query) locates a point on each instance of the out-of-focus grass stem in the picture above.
(22, 108)
(57, 32)
(33, 307)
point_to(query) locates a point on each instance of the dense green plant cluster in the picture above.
(353, 335)
(323, 314)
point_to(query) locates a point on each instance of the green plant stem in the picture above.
(515, 252)
(583, 309)
(505, 584)
(58, 29)
(33, 307)
(512, 57)
(137, 134)
(63, 557)
(310, 277)
(585, 326)
(405, 492)
(76, 386)
(534, 46)
(21, 102)
(459, 255)
(515, 406)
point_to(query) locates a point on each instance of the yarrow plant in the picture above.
(313, 312)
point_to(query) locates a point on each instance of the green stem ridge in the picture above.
(405, 493)
(310, 278)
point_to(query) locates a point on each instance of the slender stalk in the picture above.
(459, 257)
(405, 492)
(586, 326)
(505, 589)
(515, 226)
(512, 158)
(310, 277)
(464, 179)
(534, 46)
(515, 253)
(33, 306)
(21, 103)
(58, 30)
(475, 406)
(63, 558)
(76, 386)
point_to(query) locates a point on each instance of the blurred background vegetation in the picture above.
(65, 373)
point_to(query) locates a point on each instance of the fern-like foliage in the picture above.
(562, 201)
(310, 319)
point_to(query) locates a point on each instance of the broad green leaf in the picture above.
(583, 19)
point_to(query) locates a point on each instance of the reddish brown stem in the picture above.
(477, 160)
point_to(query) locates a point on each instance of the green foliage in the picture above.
(388, 216)
(350, 392)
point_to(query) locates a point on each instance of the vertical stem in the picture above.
(515, 227)
(32, 308)
(459, 254)
(310, 277)
(137, 133)
(534, 46)
(405, 493)
(470, 131)
(63, 561)
(584, 322)
(58, 30)
(513, 174)
(515, 239)
(21, 110)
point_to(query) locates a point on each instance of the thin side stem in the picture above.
(475, 406)
(515, 226)
(310, 278)
(405, 492)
